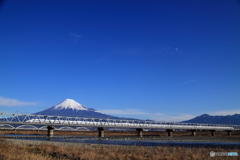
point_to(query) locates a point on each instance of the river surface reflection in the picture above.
(95, 140)
(151, 143)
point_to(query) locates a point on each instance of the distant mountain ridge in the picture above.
(208, 119)
(71, 108)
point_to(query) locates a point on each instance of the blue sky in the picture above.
(164, 60)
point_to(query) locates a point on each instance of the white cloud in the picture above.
(153, 116)
(184, 117)
(100, 60)
(161, 116)
(177, 118)
(75, 35)
(188, 81)
(225, 112)
(8, 102)
(125, 112)
(169, 49)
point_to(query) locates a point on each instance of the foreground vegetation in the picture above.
(11, 150)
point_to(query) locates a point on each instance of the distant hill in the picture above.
(71, 108)
(205, 118)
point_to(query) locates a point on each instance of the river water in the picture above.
(151, 143)
(140, 142)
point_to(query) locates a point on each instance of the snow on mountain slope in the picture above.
(71, 108)
(70, 104)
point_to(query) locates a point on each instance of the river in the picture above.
(129, 141)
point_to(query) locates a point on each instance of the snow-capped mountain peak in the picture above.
(71, 108)
(70, 104)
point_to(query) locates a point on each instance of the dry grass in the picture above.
(9, 151)
(45, 151)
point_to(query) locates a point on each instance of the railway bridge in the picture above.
(101, 124)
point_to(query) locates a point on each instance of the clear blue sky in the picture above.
(161, 59)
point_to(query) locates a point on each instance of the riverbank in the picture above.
(47, 150)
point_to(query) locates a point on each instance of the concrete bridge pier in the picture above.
(170, 132)
(229, 132)
(101, 132)
(140, 132)
(194, 132)
(212, 132)
(50, 131)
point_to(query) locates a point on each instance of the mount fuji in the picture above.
(71, 108)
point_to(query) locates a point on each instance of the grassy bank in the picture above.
(29, 150)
